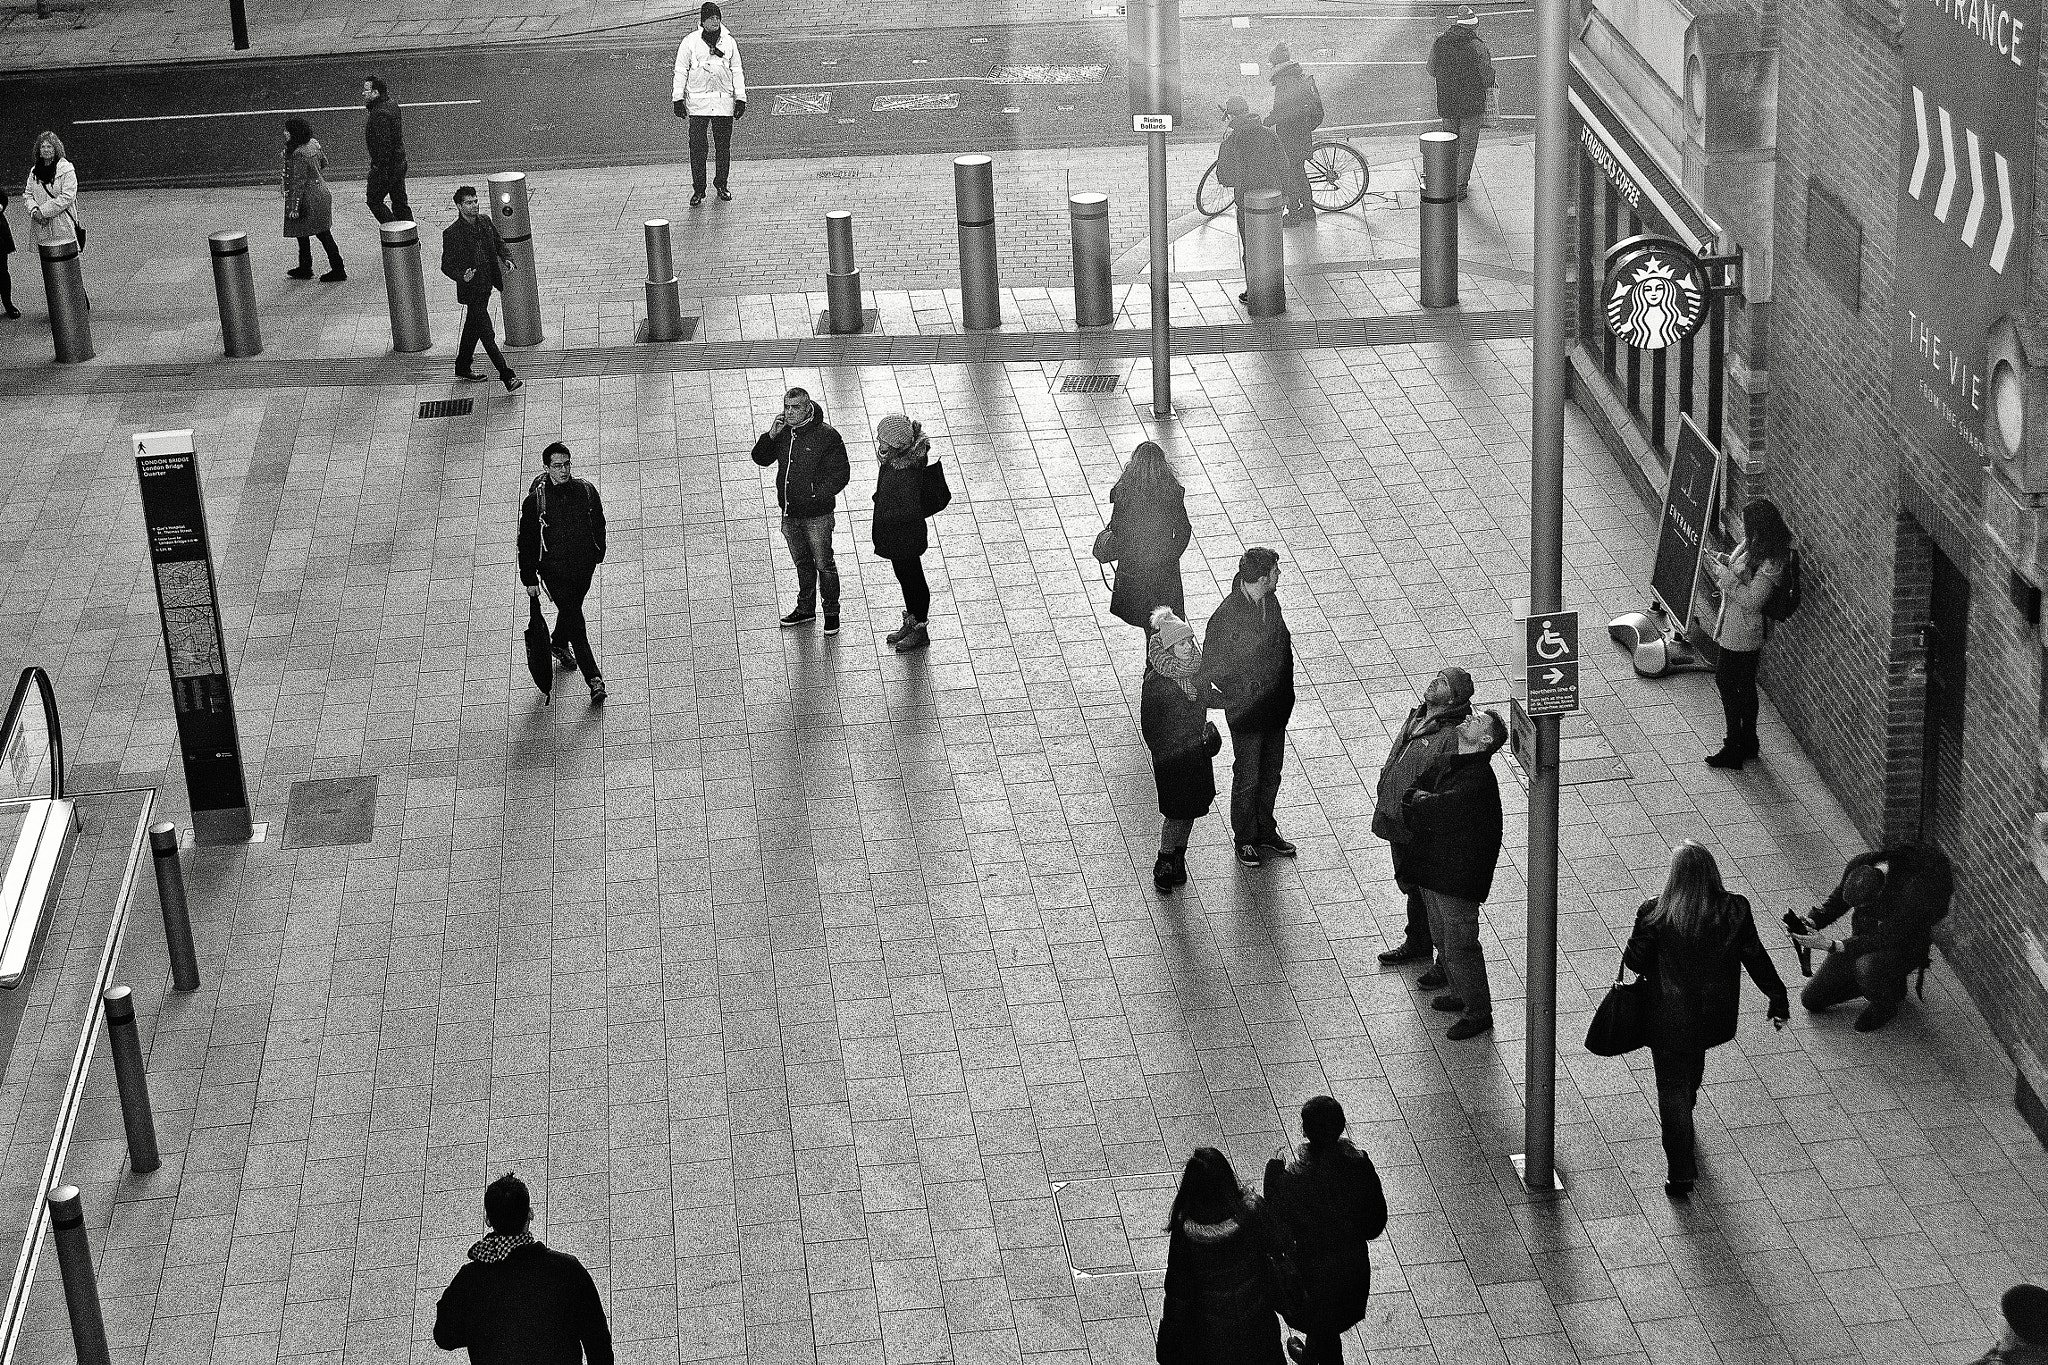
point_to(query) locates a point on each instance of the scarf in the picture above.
(498, 1246)
(1167, 664)
(711, 40)
(919, 451)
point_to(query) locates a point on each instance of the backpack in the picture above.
(1785, 597)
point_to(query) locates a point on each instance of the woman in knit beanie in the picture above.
(1173, 716)
(900, 537)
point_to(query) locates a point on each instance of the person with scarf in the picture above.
(561, 542)
(51, 194)
(519, 1299)
(710, 90)
(1173, 716)
(308, 207)
(900, 537)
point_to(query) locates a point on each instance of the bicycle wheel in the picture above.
(1212, 196)
(1338, 175)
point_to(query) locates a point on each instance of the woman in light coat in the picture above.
(52, 193)
(1746, 577)
(308, 207)
(710, 90)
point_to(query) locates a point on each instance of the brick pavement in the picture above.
(822, 994)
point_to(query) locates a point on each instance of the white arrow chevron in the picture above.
(2002, 243)
(1913, 186)
(1976, 214)
(1947, 196)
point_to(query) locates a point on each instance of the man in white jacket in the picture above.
(710, 91)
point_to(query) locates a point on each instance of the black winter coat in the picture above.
(1174, 730)
(384, 133)
(899, 511)
(1463, 67)
(466, 245)
(1250, 159)
(1152, 533)
(1248, 653)
(1333, 1206)
(1423, 742)
(538, 1306)
(1296, 108)
(566, 537)
(1455, 815)
(1697, 982)
(810, 465)
(1220, 1307)
(1917, 890)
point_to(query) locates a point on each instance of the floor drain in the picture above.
(447, 407)
(1089, 383)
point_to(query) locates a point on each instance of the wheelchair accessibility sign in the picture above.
(1553, 663)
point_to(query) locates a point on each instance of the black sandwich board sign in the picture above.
(1690, 495)
(181, 562)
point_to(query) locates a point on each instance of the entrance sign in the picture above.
(1553, 663)
(1966, 207)
(1689, 499)
(181, 561)
(1655, 293)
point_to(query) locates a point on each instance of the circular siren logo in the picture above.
(1655, 293)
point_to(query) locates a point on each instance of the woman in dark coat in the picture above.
(1328, 1196)
(6, 250)
(900, 536)
(1173, 715)
(308, 207)
(1219, 1288)
(1149, 520)
(1691, 941)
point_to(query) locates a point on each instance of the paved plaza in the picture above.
(821, 994)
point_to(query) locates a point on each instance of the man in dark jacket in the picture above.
(561, 543)
(518, 1302)
(1463, 67)
(1455, 815)
(1297, 113)
(1250, 160)
(1426, 738)
(810, 470)
(384, 131)
(1248, 655)
(1897, 896)
(473, 255)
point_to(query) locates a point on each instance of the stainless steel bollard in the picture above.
(842, 277)
(1439, 220)
(70, 314)
(1088, 218)
(131, 1079)
(974, 198)
(1265, 253)
(404, 287)
(81, 1285)
(515, 228)
(664, 295)
(235, 289)
(170, 894)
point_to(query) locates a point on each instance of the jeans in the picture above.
(1419, 931)
(1256, 759)
(705, 128)
(476, 326)
(1679, 1073)
(1454, 923)
(387, 184)
(1878, 977)
(327, 244)
(810, 550)
(1467, 130)
(1735, 678)
(569, 587)
(917, 594)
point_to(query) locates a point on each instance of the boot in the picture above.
(1730, 756)
(1180, 866)
(1162, 874)
(909, 623)
(916, 638)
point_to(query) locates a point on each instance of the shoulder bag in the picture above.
(1622, 1023)
(934, 493)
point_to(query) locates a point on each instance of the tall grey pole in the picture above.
(131, 1077)
(81, 1283)
(1162, 282)
(1546, 581)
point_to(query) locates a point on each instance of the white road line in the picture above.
(1524, 57)
(899, 80)
(260, 113)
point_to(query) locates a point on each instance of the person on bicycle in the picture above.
(1250, 160)
(1297, 113)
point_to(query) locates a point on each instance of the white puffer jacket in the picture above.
(706, 84)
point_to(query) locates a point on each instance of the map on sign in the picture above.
(1553, 663)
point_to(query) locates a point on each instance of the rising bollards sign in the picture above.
(1966, 200)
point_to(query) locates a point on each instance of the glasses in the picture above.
(558, 464)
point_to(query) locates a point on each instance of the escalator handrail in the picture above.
(13, 717)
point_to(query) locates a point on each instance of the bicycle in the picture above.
(1338, 177)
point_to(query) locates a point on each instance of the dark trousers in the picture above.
(1877, 977)
(326, 244)
(569, 587)
(1735, 677)
(1257, 756)
(1418, 932)
(476, 327)
(1679, 1073)
(917, 594)
(810, 550)
(1294, 178)
(387, 184)
(1322, 1348)
(705, 129)
(6, 284)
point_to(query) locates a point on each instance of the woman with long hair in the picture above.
(1694, 939)
(1149, 520)
(308, 207)
(1327, 1193)
(51, 193)
(1219, 1286)
(1746, 576)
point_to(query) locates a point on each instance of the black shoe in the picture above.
(1728, 757)
(1297, 1350)
(301, 273)
(1248, 854)
(724, 195)
(1432, 980)
(1273, 843)
(1409, 951)
(831, 623)
(465, 377)
(564, 657)
(1245, 297)
(12, 311)
(1162, 875)
(1875, 1017)
(799, 617)
(1469, 1028)
(513, 383)
(334, 276)
(1463, 194)
(597, 690)
(696, 199)
(1680, 1190)
(1180, 867)
(1448, 1004)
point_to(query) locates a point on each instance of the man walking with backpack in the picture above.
(1463, 68)
(1297, 113)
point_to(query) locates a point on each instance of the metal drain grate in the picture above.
(1090, 383)
(447, 407)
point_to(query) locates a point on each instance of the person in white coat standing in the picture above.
(710, 91)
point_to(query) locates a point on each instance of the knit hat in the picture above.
(1467, 16)
(1279, 56)
(1168, 629)
(2026, 1311)
(1460, 681)
(710, 10)
(895, 432)
(1235, 106)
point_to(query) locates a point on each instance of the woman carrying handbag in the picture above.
(1147, 534)
(909, 487)
(51, 193)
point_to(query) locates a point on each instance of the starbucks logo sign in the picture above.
(1655, 294)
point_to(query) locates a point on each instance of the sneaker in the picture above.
(1678, 1189)
(1469, 1028)
(831, 623)
(597, 689)
(465, 377)
(301, 274)
(1432, 980)
(1248, 854)
(1273, 843)
(917, 638)
(1409, 951)
(564, 657)
(799, 617)
(334, 276)
(1875, 1017)
(1448, 1004)
(696, 199)
(724, 196)
(513, 383)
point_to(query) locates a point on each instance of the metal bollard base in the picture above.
(664, 311)
(842, 303)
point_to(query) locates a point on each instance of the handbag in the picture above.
(1212, 739)
(1290, 1291)
(934, 493)
(1106, 550)
(1490, 117)
(1622, 1023)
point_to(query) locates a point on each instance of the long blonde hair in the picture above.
(1693, 893)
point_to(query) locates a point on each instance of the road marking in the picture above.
(890, 103)
(1252, 68)
(259, 113)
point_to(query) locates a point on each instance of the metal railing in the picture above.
(35, 675)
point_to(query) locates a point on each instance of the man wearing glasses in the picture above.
(561, 543)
